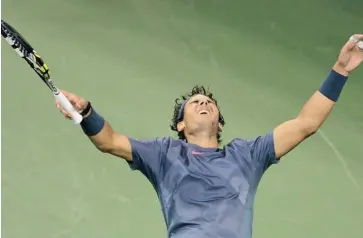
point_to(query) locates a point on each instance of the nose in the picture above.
(203, 102)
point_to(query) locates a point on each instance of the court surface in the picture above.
(262, 59)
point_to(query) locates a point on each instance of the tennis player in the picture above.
(206, 191)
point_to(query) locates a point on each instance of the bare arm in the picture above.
(315, 111)
(109, 141)
(291, 133)
(106, 140)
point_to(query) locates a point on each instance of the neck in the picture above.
(204, 141)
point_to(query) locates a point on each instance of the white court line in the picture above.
(343, 162)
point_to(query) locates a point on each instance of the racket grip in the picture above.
(66, 105)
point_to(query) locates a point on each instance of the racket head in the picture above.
(25, 50)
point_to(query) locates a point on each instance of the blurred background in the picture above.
(262, 60)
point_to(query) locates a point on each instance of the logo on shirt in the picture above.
(194, 152)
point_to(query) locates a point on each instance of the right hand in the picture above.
(77, 102)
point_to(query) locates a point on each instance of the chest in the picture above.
(208, 176)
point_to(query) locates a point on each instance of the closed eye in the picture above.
(197, 101)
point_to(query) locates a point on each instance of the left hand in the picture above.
(351, 56)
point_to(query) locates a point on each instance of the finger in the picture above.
(349, 45)
(352, 42)
(77, 102)
(65, 113)
(356, 37)
(57, 104)
(66, 93)
(81, 105)
(72, 98)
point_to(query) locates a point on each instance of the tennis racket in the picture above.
(26, 51)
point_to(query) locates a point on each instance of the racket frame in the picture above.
(35, 61)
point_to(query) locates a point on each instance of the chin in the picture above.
(206, 122)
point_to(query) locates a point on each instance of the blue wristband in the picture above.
(333, 85)
(93, 124)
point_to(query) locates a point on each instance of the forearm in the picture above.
(321, 103)
(104, 137)
(314, 112)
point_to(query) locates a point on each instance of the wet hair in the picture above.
(179, 109)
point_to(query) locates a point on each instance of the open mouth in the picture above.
(204, 112)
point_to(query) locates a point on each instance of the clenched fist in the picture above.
(77, 102)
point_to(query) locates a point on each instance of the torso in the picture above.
(208, 192)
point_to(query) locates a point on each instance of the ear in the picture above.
(180, 126)
(220, 127)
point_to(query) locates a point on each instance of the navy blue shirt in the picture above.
(205, 192)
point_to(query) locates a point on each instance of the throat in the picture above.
(203, 141)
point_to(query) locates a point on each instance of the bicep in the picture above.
(288, 135)
(121, 147)
(140, 153)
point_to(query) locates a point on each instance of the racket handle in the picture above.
(66, 105)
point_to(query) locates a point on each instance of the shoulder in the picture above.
(238, 143)
(261, 148)
(261, 142)
(153, 143)
(250, 142)
(150, 151)
(155, 140)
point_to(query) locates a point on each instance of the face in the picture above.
(200, 112)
